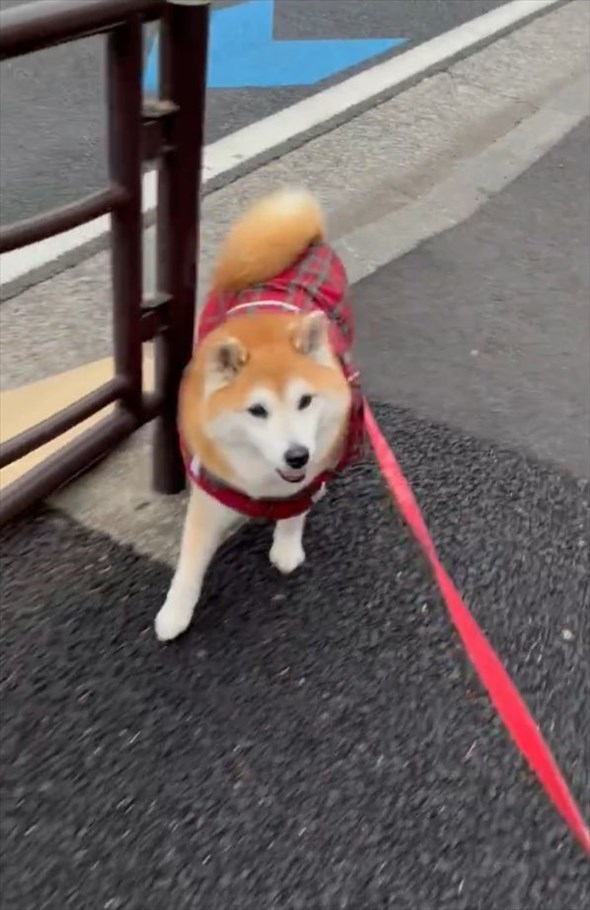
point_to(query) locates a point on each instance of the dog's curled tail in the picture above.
(267, 239)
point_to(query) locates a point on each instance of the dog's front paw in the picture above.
(287, 555)
(172, 620)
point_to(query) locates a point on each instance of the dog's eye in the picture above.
(304, 402)
(258, 410)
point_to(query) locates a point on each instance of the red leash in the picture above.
(501, 690)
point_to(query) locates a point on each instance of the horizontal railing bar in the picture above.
(154, 316)
(48, 429)
(73, 459)
(156, 116)
(61, 219)
(158, 300)
(153, 143)
(44, 23)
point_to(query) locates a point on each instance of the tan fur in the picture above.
(261, 350)
(267, 239)
(263, 242)
(272, 360)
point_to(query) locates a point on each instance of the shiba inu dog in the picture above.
(270, 405)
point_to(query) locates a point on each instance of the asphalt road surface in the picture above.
(320, 743)
(52, 124)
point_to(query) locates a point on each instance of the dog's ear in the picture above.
(310, 336)
(226, 359)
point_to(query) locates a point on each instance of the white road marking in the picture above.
(271, 132)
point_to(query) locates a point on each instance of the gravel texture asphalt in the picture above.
(317, 742)
(320, 743)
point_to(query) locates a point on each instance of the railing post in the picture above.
(124, 67)
(183, 69)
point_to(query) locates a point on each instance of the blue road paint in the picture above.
(244, 54)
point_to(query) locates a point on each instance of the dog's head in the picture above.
(266, 397)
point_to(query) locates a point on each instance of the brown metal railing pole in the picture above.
(39, 25)
(76, 457)
(124, 62)
(183, 66)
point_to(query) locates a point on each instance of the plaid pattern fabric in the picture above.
(316, 281)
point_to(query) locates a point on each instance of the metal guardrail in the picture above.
(169, 130)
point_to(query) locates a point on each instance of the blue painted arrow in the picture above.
(244, 54)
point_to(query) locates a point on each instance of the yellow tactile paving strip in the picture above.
(30, 404)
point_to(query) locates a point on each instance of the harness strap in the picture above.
(272, 509)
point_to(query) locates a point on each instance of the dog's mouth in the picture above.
(291, 476)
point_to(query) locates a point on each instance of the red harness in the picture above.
(316, 281)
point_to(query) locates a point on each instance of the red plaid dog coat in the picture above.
(316, 281)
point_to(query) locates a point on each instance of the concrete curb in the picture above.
(471, 183)
(242, 168)
(130, 512)
(379, 163)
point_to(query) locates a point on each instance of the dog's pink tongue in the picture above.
(292, 476)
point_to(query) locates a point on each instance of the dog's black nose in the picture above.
(297, 457)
